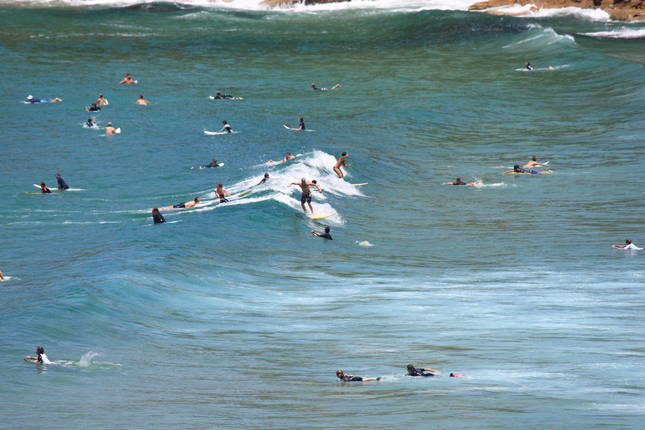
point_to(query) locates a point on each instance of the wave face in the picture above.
(232, 314)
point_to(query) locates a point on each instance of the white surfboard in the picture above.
(226, 98)
(6, 278)
(204, 167)
(294, 129)
(56, 189)
(218, 133)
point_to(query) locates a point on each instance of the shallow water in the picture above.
(233, 315)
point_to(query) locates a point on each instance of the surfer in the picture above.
(628, 245)
(421, 371)
(31, 99)
(220, 96)
(533, 163)
(306, 192)
(142, 101)
(518, 170)
(226, 127)
(351, 378)
(44, 189)
(212, 164)
(184, 205)
(287, 157)
(91, 123)
(62, 186)
(93, 108)
(102, 101)
(458, 181)
(528, 66)
(1, 276)
(109, 129)
(325, 235)
(157, 217)
(301, 124)
(266, 178)
(40, 357)
(315, 88)
(128, 80)
(341, 162)
(221, 192)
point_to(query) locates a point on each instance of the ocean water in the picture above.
(233, 315)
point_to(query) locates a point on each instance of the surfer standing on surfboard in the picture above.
(341, 162)
(306, 193)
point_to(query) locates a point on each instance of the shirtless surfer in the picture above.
(142, 101)
(306, 193)
(342, 161)
(102, 101)
(340, 374)
(628, 245)
(533, 163)
(109, 129)
(221, 192)
(184, 205)
(128, 80)
(287, 157)
(315, 88)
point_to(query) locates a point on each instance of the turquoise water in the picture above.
(233, 315)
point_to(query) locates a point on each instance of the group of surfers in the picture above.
(517, 170)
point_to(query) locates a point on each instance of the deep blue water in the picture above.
(233, 315)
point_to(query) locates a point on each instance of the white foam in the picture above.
(532, 11)
(622, 33)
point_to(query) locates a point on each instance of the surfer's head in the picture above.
(303, 181)
(57, 175)
(340, 374)
(516, 167)
(29, 97)
(196, 199)
(40, 350)
(410, 368)
(343, 154)
(224, 122)
(457, 179)
(301, 119)
(533, 158)
(327, 229)
(266, 176)
(628, 242)
(314, 181)
(109, 124)
(42, 184)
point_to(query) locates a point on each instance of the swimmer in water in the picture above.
(315, 88)
(221, 192)
(40, 357)
(351, 378)
(102, 101)
(458, 181)
(185, 205)
(142, 101)
(266, 178)
(421, 371)
(226, 127)
(62, 186)
(628, 245)
(325, 235)
(533, 163)
(157, 217)
(109, 129)
(44, 189)
(342, 161)
(128, 80)
(306, 192)
(93, 108)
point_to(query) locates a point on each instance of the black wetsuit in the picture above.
(459, 183)
(325, 236)
(350, 378)
(209, 165)
(93, 108)
(45, 190)
(179, 206)
(417, 372)
(158, 218)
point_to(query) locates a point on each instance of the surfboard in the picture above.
(217, 133)
(226, 98)
(244, 193)
(546, 172)
(117, 131)
(6, 278)
(320, 216)
(203, 167)
(56, 189)
(360, 185)
(294, 129)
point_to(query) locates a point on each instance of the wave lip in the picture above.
(532, 11)
(622, 33)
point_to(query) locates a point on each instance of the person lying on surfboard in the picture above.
(184, 205)
(221, 192)
(315, 88)
(306, 193)
(324, 235)
(93, 108)
(518, 170)
(210, 165)
(40, 357)
(628, 245)
(340, 374)
(421, 371)
(533, 163)
(341, 162)
(458, 181)
(44, 189)
(220, 96)
(128, 80)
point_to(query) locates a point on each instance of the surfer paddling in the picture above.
(534, 163)
(306, 192)
(458, 181)
(517, 170)
(184, 205)
(44, 189)
(102, 101)
(325, 235)
(157, 217)
(110, 130)
(342, 161)
(141, 101)
(62, 185)
(287, 157)
(93, 108)
(31, 99)
(628, 245)
(220, 96)
(315, 88)
(40, 357)
(210, 165)
(128, 80)
(421, 371)
(221, 192)
(340, 374)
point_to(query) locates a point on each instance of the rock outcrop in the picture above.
(623, 10)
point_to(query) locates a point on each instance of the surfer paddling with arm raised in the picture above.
(628, 245)
(342, 161)
(184, 205)
(306, 193)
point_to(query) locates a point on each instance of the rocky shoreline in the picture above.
(622, 10)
